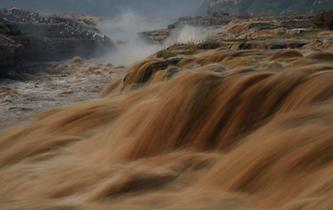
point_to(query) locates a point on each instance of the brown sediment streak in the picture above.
(183, 138)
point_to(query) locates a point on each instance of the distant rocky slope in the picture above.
(265, 7)
(30, 37)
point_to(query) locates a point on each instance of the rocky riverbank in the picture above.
(27, 37)
(270, 32)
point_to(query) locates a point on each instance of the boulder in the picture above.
(324, 20)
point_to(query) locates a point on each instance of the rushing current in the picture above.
(184, 133)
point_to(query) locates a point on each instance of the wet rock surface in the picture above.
(231, 28)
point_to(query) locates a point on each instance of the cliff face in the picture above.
(265, 7)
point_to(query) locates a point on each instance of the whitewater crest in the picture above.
(220, 129)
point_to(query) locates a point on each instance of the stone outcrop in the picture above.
(30, 37)
(50, 42)
(325, 20)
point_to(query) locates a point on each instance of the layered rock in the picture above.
(243, 28)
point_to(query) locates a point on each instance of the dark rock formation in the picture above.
(324, 20)
(31, 37)
(50, 42)
(12, 46)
